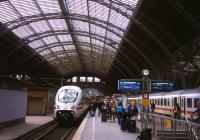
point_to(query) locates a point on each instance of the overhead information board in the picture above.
(129, 85)
(161, 86)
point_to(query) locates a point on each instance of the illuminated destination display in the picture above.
(162, 86)
(129, 85)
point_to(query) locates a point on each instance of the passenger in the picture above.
(128, 107)
(113, 112)
(153, 106)
(99, 106)
(197, 113)
(92, 109)
(177, 111)
(119, 112)
(133, 111)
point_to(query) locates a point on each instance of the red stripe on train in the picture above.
(171, 110)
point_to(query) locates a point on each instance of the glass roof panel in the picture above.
(97, 42)
(50, 39)
(25, 7)
(114, 37)
(50, 6)
(118, 19)
(23, 31)
(83, 39)
(58, 24)
(98, 11)
(36, 44)
(77, 6)
(64, 38)
(57, 49)
(80, 25)
(97, 30)
(7, 13)
(69, 47)
(45, 52)
(40, 26)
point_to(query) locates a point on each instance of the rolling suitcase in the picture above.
(104, 117)
(92, 114)
(123, 124)
(131, 126)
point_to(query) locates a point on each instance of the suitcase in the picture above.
(131, 126)
(123, 124)
(104, 117)
(92, 114)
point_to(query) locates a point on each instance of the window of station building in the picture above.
(89, 79)
(82, 79)
(96, 79)
(189, 102)
(196, 100)
(74, 79)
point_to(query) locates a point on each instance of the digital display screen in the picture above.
(162, 86)
(129, 85)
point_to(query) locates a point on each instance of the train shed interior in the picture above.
(45, 44)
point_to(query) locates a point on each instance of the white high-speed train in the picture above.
(164, 101)
(70, 103)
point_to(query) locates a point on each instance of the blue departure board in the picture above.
(162, 86)
(129, 85)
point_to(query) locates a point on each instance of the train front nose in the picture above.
(65, 115)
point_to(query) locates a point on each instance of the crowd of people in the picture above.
(114, 109)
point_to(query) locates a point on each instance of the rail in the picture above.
(163, 126)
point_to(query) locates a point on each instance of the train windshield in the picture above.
(67, 96)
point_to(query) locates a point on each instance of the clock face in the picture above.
(145, 72)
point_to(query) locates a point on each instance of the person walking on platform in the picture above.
(119, 112)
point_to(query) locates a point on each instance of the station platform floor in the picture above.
(31, 122)
(93, 129)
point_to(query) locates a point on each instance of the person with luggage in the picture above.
(124, 121)
(177, 111)
(131, 124)
(119, 112)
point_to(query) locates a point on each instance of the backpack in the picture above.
(113, 109)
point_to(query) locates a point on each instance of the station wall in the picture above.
(13, 105)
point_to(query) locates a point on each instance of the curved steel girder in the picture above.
(124, 66)
(178, 7)
(163, 47)
(65, 43)
(163, 31)
(100, 38)
(83, 18)
(137, 50)
(117, 71)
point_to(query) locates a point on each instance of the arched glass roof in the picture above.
(72, 35)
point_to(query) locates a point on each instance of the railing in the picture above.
(162, 124)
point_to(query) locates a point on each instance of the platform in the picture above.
(31, 122)
(93, 129)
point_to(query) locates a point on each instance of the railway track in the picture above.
(49, 131)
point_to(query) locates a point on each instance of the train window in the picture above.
(153, 101)
(158, 101)
(168, 103)
(189, 102)
(165, 102)
(161, 101)
(67, 96)
(196, 100)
